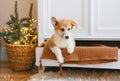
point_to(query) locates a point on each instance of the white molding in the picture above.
(97, 29)
(99, 38)
(41, 20)
(107, 27)
(91, 18)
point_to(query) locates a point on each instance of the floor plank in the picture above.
(7, 73)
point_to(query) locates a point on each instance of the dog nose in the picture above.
(67, 37)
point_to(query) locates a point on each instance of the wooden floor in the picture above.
(7, 73)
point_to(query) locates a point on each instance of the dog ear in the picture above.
(73, 24)
(54, 21)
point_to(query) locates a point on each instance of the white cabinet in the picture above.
(96, 19)
(105, 18)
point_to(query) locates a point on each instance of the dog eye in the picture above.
(62, 29)
(68, 29)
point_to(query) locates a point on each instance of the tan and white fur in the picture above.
(61, 37)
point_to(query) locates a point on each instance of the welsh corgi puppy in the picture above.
(61, 37)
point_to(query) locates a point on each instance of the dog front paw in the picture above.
(70, 50)
(61, 60)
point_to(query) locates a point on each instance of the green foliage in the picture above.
(20, 31)
(25, 22)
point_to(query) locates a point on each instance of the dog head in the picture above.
(63, 27)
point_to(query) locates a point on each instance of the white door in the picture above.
(105, 18)
(77, 10)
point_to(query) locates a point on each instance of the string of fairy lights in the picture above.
(28, 35)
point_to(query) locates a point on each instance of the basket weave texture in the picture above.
(21, 57)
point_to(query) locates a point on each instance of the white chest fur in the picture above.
(60, 42)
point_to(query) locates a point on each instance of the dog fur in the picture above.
(61, 37)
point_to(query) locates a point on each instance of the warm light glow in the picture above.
(32, 19)
(16, 42)
(35, 20)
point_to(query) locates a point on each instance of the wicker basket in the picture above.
(21, 57)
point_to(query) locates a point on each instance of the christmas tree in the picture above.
(20, 31)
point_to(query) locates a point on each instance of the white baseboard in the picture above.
(3, 55)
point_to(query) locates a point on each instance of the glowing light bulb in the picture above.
(35, 20)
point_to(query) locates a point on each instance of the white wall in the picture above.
(7, 8)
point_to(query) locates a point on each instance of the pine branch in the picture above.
(24, 22)
(10, 22)
(30, 13)
(16, 12)
(12, 18)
